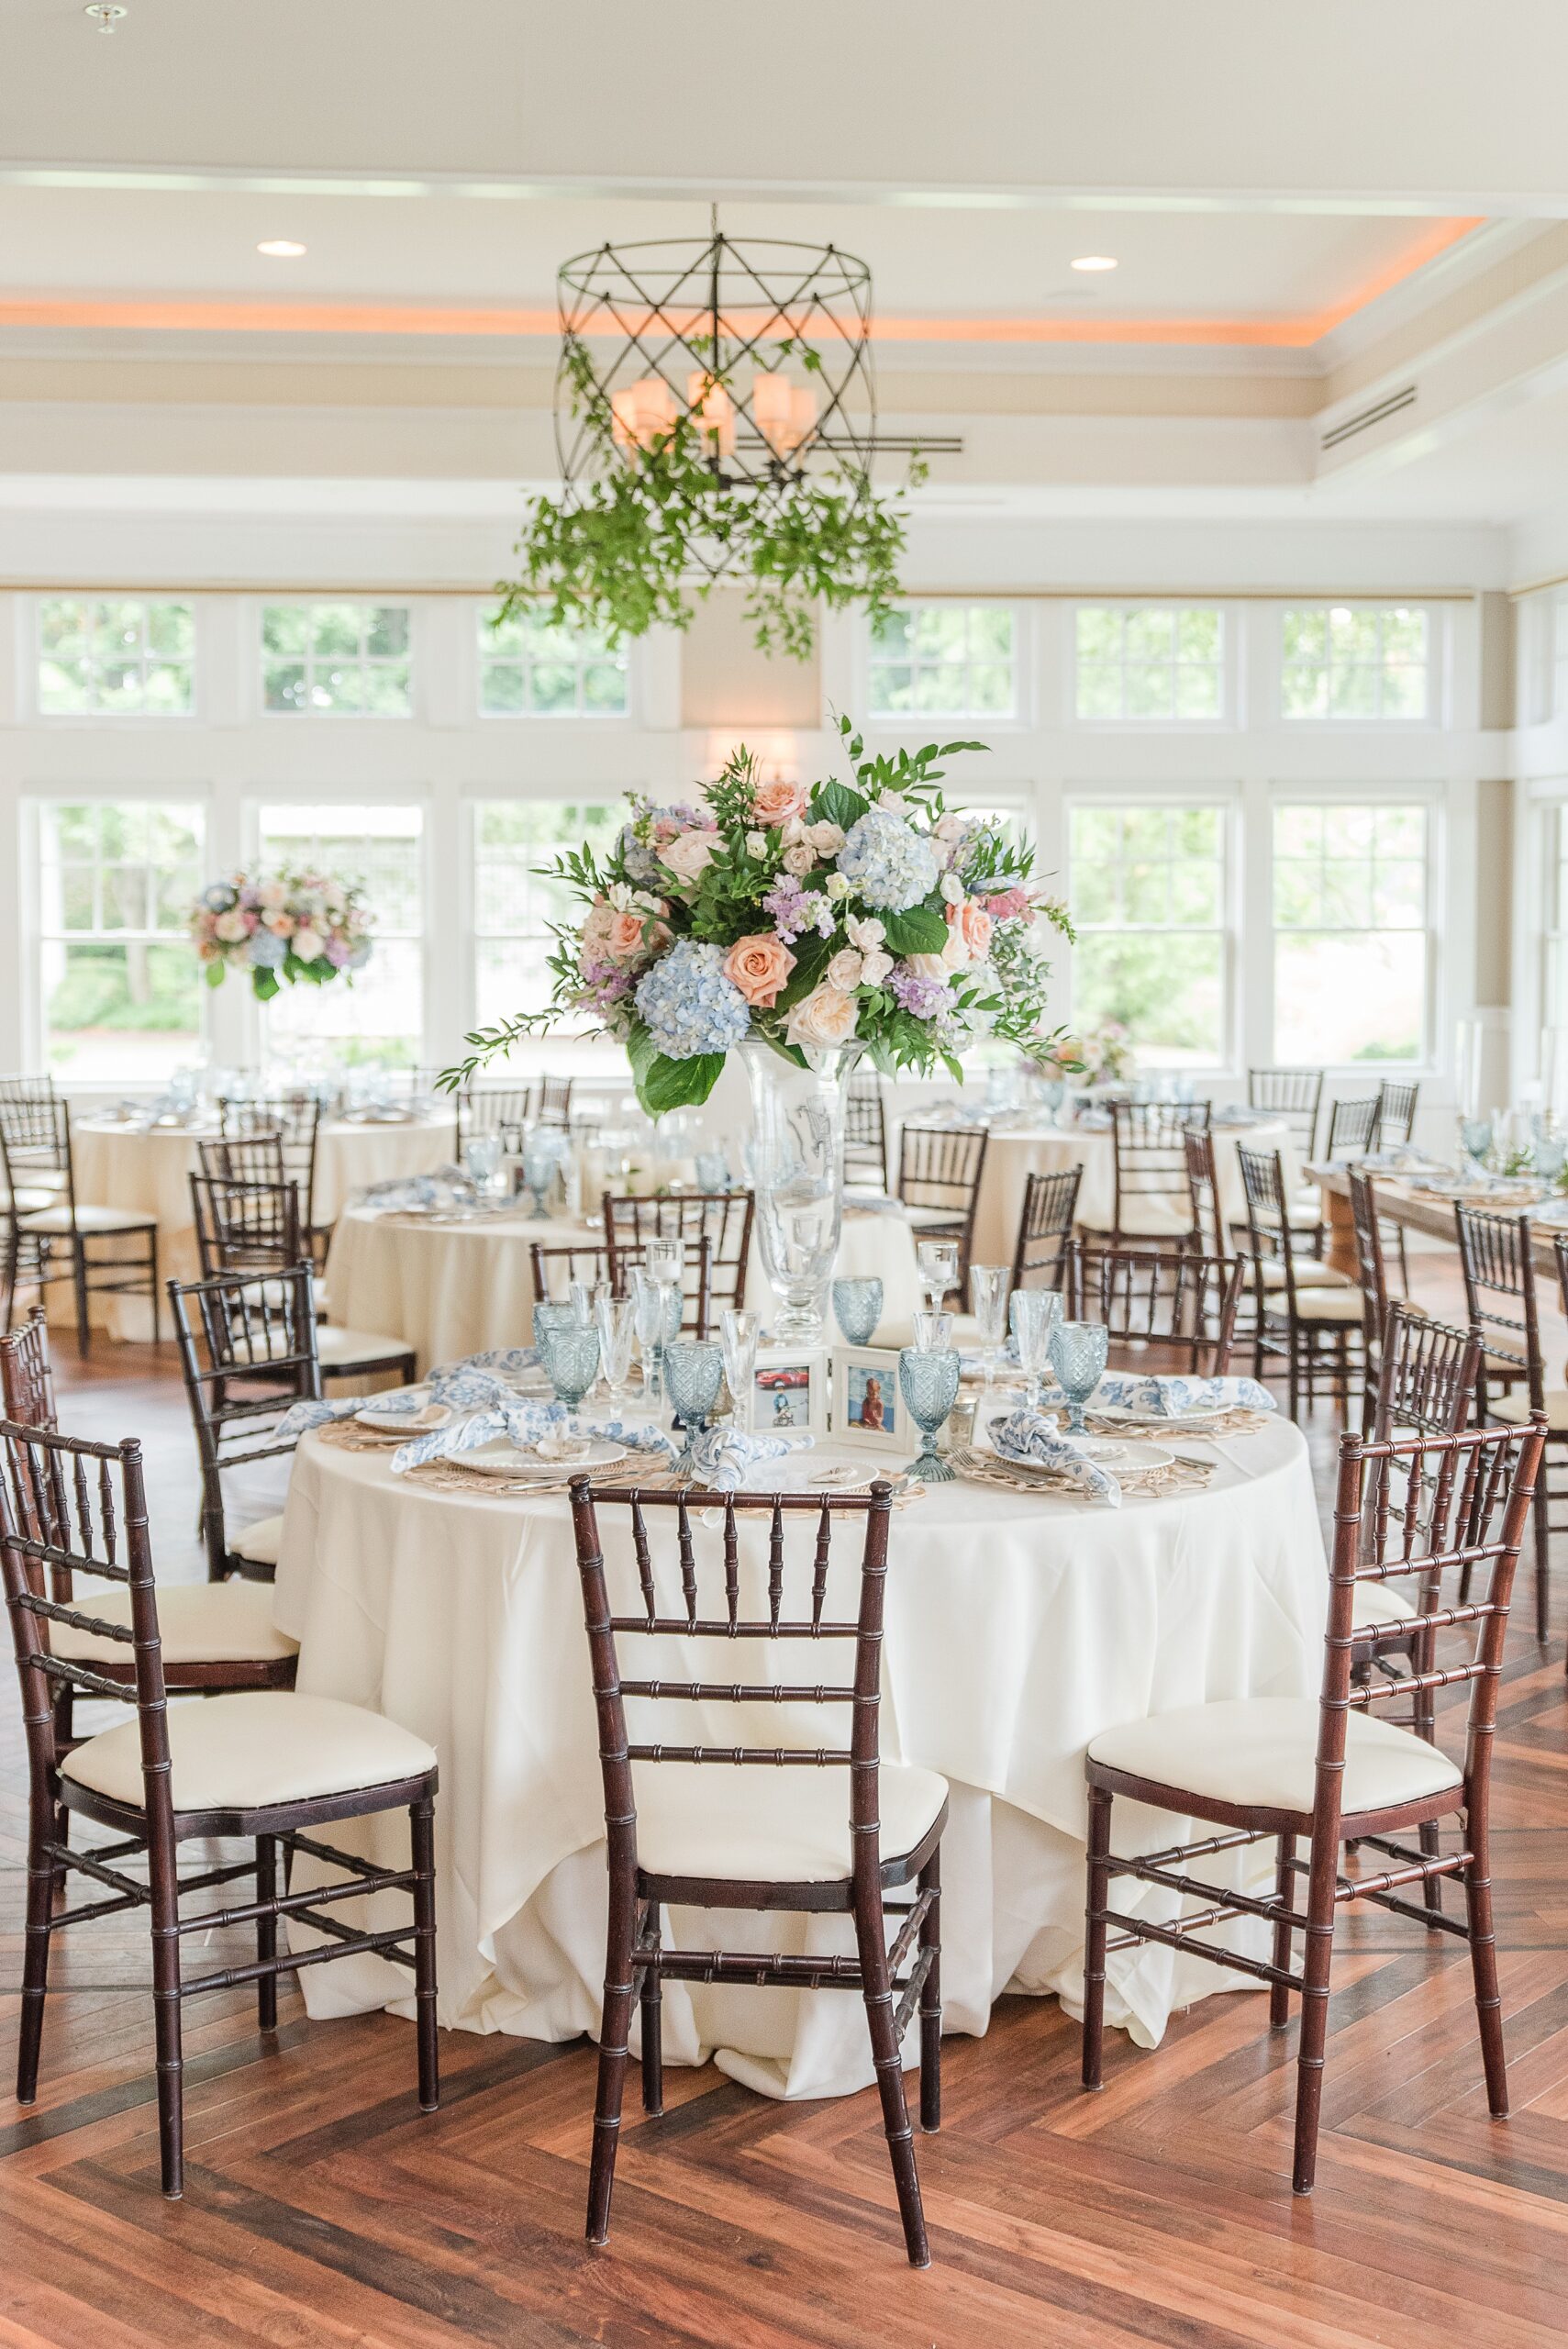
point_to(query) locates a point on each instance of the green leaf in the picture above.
(922, 930)
(811, 957)
(215, 972)
(835, 802)
(264, 983)
(678, 1085)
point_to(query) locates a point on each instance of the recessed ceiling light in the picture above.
(284, 248)
(1095, 261)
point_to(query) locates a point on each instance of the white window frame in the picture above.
(474, 800)
(30, 634)
(1436, 664)
(303, 717)
(1225, 798)
(1426, 794)
(577, 716)
(314, 798)
(926, 722)
(1229, 656)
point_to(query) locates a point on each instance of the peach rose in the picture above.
(775, 802)
(758, 966)
(622, 936)
(690, 854)
(973, 924)
(827, 1016)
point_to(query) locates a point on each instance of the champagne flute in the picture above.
(988, 1285)
(1035, 1314)
(738, 1334)
(615, 1319)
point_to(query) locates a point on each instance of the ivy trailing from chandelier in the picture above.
(716, 418)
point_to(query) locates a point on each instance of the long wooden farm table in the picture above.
(1397, 1203)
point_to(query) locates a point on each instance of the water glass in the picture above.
(712, 1170)
(692, 1368)
(481, 1161)
(738, 1334)
(1550, 1153)
(551, 1316)
(572, 1359)
(542, 1147)
(933, 1332)
(937, 1260)
(1475, 1139)
(988, 1287)
(929, 1387)
(1078, 1352)
(1035, 1313)
(857, 1309)
(584, 1295)
(648, 1315)
(614, 1318)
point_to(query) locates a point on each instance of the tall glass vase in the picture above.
(795, 1162)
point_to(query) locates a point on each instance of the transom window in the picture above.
(335, 659)
(1355, 662)
(1149, 664)
(528, 669)
(515, 903)
(378, 1016)
(119, 983)
(1148, 890)
(944, 661)
(1351, 886)
(103, 659)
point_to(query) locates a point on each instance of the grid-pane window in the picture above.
(101, 658)
(1156, 664)
(1363, 662)
(380, 1016)
(119, 984)
(335, 659)
(944, 661)
(528, 669)
(1148, 890)
(515, 903)
(1554, 926)
(1350, 887)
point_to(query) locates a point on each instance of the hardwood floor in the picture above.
(322, 2209)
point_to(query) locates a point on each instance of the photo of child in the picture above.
(871, 1402)
(784, 1396)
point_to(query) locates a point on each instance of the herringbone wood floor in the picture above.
(321, 2209)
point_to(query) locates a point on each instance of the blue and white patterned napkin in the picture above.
(447, 1187)
(1027, 1435)
(724, 1457)
(1169, 1396)
(524, 1423)
(475, 1382)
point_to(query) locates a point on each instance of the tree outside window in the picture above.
(1350, 932)
(120, 982)
(1147, 886)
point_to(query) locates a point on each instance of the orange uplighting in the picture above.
(379, 318)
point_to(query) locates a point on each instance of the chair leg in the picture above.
(266, 1933)
(1094, 1935)
(1284, 1889)
(422, 1837)
(1318, 1961)
(1483, 1956)
(931, 1998)
(1540, 1511)
(79, 1283)
(157, 1333)
(166, 2021)
(1293, 1376)
(35, 1961)
(619, 1992)
(651, 1996)
(871, 1937)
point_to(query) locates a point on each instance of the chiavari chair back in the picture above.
(940, 1169)
(1292, 1095)
(243, 1226)
(553, 1107)
(1203, 1190)
(1353, 1127)
(45, 1212)
(246, 1353)
(1395, 1113)
(1165, 1308)
(259, 1764)
(715, 1228)
(1045, 1226)
(1319, 1331)
(501, 1109)
(296, 1119)
(553, 1270)
(1148, 1141)
(1496, 1259)
(26, 1376)
(244, 1158)
(1371, 1271)
(809, 1821)
(865, 1132)
(1327, 1774)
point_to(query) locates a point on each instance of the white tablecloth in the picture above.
(120, 1167)
(452, 1287)
(461, 1617)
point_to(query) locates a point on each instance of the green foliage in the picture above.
(919, 929)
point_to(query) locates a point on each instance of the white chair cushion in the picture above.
(1304, 1209)
(198, 1622)
(1261, 1750)
(1380, 1602)
(336, 1349)
(1515, 1408)
(260, 1747)
(259, 1543)
(924, 1216)
(1150, 1215)
(708, 1819)
(1342, 1305)
(91, 1219)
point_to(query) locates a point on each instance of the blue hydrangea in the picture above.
(688, 1005)
(890, 866)
(265, 947)
(220, 898)
(639, 862)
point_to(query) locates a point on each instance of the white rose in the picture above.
(231, 928)
(929, 966)
(306, 945)
(756, 843)
(953, 890)
(800, 859)
(827, 1016)
(874, 968)
(894, 803)
(826, 839)
(952, 826)
(845, 970)
(791, 832)
(866, 932)
(690, 854)
(837, 887)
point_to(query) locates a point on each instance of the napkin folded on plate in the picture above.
(1027, 1435)
(467, 1386)
(447, 1187)
(871, 1203)
(724, 1457)
(525, 1422)
(1168, 1395)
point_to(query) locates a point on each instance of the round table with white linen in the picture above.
(148, 1168)
(452, 1283)
(460, 1615)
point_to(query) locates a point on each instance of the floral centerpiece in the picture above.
(286, 928)
(1101, 1054)
(805, 916)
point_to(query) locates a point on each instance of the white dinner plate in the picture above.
(503, 1458)
(1187, 1423)
(409, 1423)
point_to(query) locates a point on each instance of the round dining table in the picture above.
(1018, 1624)
(149, 1167)
(452, 1282)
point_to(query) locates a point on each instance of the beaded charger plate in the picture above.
(1018, 1477)
(1211, 1423)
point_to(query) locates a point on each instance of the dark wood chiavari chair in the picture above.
(865, 1133)
(1293, 1095)
(553, 1270)
(940, 1169)
(254, 1227)
(294, 1118)
(685, 1836)
(553, 1103)
(1045, 1226)
(246, 1352)
(1282, 1769)
(1165, 1308)
(501, 1109)
(1214, 1238)
(1499, 1271)
(263, 1764)
(1318, 1329)
(109, 1251)
(715, 1228)
(27, 1376)
(1370, 1236)
(1149, 1200)
(244, 1158)
(1353, 1129)
(1395, 1113)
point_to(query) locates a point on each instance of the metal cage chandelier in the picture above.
(715, 418)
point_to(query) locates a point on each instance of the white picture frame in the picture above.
(789, 1391)
(866, 1377)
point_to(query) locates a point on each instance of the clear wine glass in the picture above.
(1078, 1352)
(933, 1332)
(857, 1309)
(1035, 1312)
(738, 1334)
(615, 1319)
(929, 1386)
(648, 1315)
(937, 1262)
(988, 1286)
(692, 1368)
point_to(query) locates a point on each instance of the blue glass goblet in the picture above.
(1078, 1357)
(572, 1359)
(693, 1369)
(1475, 1136)
(929, 1386)
(857, 1309)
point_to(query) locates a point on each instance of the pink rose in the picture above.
(622, 936)
(774, 802)
(827, 1016)
(690, 854)
(280, 924)
(233, 925)
(758, 966)
(973, 924)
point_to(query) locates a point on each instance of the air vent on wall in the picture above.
(1370, 416)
